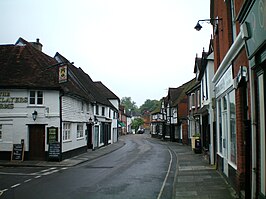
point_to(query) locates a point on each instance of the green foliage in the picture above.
(149, 106)
(136, 123)
(130, 106)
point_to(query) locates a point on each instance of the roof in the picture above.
(106, 91)
(85, 83)
(23, 66)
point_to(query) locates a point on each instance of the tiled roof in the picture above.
(85, 83)
(106, 91)
(22, 66)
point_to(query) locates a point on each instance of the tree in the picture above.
(149, 106)
(136, 123)
(130, 106)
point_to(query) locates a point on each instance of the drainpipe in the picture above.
(253, 133)
(61, 129)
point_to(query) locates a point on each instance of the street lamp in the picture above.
(198, 27)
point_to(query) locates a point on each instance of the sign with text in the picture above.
(17, 152)
(52, 134)
(54, 151)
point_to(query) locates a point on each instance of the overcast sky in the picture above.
(137, 48)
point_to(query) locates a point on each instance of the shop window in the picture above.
(36, 98)
(80, 131)
(232, 127)
(1, 132)
(66, 131)
(220, 126)
(261, 109)
(226, 116)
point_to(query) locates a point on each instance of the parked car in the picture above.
(141, 131)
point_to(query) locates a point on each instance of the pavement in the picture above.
(195, 179)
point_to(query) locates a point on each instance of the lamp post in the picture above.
(198, 27)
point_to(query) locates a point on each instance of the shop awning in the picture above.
(121, 124)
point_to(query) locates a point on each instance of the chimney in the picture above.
(37, 44)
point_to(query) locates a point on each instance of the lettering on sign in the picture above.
(18, 152)
(7, 102)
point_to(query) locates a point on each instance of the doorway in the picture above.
(37, 142)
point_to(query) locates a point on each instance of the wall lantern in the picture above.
(198, 27)
(34, 115)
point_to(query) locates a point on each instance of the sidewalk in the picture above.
(88, 156)
(196, 179)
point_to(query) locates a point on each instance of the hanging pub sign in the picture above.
(52, 134)
(62, 73)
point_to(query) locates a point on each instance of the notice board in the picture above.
(54, 151)
(17, 152)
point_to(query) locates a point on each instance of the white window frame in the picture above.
(36, 98)
(80, 132)
(66, 131)
(226, 152)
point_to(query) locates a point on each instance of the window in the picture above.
(192, 100)
(198, 97)
(220, 126)
(97, 110)
(80, 131)
(1, 132)
(232, 127)
(66, 131)
(36, 98)
(226, 120)
(109, 113)
(103, 111)
(82, 106)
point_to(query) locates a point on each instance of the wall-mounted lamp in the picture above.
(95, 120)
(198, 27)
(34, 115)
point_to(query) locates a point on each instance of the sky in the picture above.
(137, 48)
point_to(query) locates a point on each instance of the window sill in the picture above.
(66, 141)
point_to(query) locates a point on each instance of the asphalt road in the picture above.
(142, 168)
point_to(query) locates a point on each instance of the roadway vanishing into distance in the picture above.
(142, 168)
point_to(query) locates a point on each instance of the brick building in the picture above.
(239, 44)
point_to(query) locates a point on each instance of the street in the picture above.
(142, 168)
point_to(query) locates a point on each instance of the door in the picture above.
(37, 142)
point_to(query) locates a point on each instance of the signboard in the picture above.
(7, 101)
(62, 74)
(256, 23)
(225, 82)
(52, 134)
(54, 151)
(18, 152)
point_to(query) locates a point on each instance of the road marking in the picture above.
(167, 174)
(2, 191)
(16, 185)
(27, 180)
(37, 177)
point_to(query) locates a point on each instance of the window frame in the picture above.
(80, 131)
(36, 98)
(66, 132)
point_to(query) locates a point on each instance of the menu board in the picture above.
(18, 152)
(54, 151)
(52, 134)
